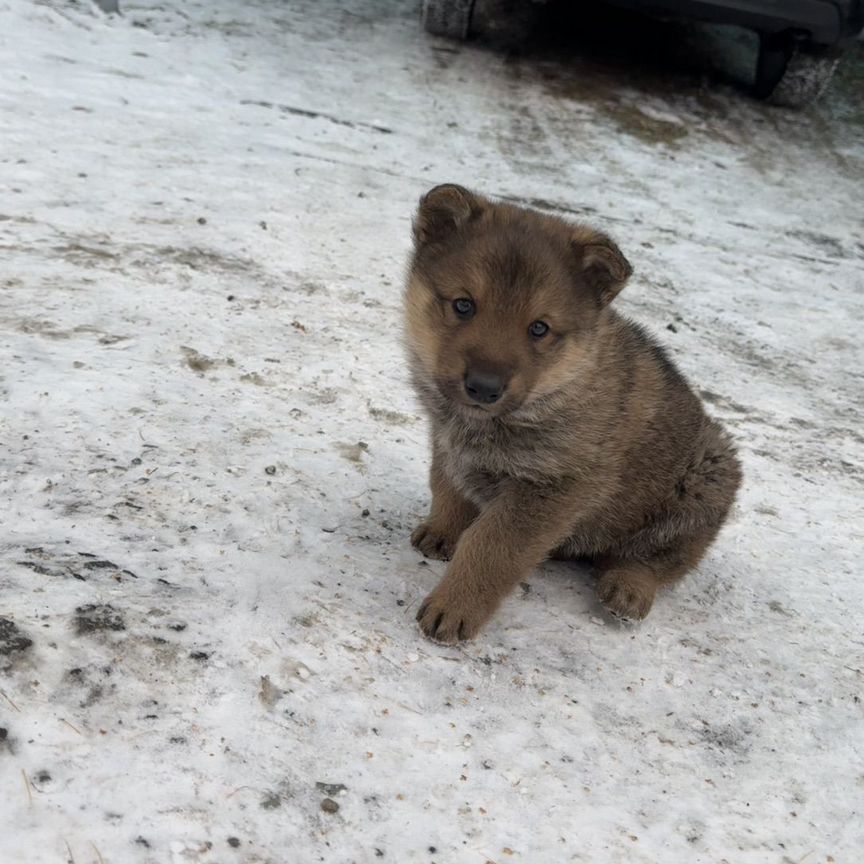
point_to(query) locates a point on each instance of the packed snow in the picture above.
(212, 460)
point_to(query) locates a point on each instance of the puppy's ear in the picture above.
(601, 264)
(443, 211)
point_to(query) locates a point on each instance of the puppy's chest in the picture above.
(478, 463)
(474, 473)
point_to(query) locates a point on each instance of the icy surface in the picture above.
(211, 461)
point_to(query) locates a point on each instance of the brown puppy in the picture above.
(559, 429)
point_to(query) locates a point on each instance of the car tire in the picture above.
(450, 18)
(792, 74)
(504, 22)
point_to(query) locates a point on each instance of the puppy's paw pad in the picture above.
(447, 622)
(628, 596)
(433, 542)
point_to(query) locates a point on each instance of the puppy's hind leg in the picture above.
(627, 586)
(663, 552)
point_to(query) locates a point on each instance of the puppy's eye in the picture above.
(464, 308)
(538, 329)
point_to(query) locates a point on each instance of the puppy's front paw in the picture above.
(434, 540)
(448, 616)
(627, 593)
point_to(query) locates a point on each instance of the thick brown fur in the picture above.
(597, 447)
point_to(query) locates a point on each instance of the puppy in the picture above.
(559, 429)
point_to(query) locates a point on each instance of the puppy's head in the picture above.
(502, 302)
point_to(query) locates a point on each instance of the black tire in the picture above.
(450, 18)
(507, 22)
(504, 22)
(791, 74)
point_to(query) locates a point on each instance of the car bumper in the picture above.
(824, 22)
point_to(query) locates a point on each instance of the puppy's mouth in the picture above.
(456, 398)
(478, 410)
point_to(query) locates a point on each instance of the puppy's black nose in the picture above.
(484, 388)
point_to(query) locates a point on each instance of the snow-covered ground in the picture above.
(211, 460)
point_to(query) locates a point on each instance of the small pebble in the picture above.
(328, 805)
(332, 790)
(202, 220)
(233, 842)
(270, 469)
